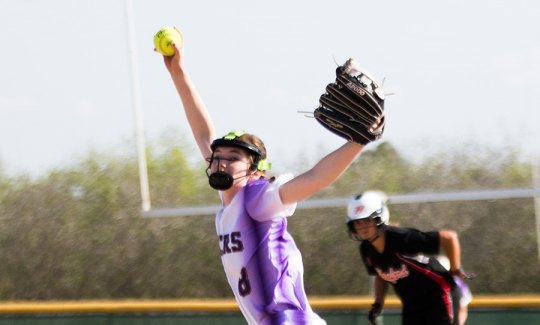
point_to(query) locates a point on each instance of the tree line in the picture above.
(78, 232)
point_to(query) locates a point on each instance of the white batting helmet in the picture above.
(370, 204)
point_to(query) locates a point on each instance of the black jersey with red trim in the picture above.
(417, 279)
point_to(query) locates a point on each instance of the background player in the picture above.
(262, 263)
(400, 256)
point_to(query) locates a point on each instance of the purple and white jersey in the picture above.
(262, 263)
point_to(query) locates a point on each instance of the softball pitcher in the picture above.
(260, 258)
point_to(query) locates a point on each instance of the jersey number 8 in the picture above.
(244, 287)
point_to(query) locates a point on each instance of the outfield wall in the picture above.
(484, 310)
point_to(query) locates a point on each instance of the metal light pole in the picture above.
(137, 111)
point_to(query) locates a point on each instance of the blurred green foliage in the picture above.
(78, 232)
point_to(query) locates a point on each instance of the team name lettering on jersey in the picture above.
(231, 243)
(393, 275)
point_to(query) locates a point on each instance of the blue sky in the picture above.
(463, 72)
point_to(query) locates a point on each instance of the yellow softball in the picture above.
(165, 38)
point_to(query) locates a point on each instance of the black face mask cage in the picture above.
(251, 149)
(221, 180)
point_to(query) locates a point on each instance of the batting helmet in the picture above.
(370, 204)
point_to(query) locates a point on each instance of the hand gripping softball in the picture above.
(353, 106)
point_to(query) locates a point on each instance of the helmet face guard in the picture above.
(252, 149)
(220, 180)
(231, 140)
